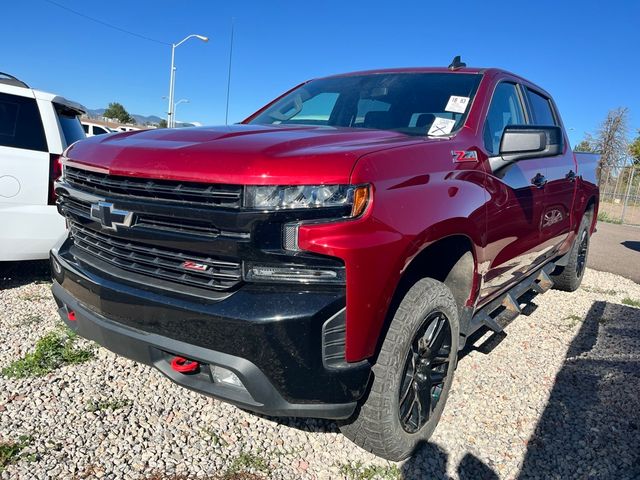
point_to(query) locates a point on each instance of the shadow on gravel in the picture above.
(632, 245)
(17, 274)
(430, 462)
(591, 425)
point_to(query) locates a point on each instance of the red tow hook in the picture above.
(182, 365)
(71, 316)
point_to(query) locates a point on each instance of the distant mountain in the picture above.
(140, 119)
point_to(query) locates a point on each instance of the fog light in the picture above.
(268, 273)
(223, 375)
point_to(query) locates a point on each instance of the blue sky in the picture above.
(586, 53)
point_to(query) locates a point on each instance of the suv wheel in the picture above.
(412, 376)
(570, 277)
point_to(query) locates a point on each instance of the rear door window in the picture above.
(541, 109)
(20, 123)
(70, 122)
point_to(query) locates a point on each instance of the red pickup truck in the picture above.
(330, 255)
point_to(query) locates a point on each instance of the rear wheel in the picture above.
(570, 277)
(412, 376)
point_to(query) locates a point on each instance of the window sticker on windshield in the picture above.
(441, 126)
(457, 104)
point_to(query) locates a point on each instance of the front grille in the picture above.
(165, 190)
(75, 207)
(155, 262)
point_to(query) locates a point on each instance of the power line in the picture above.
(52, 2)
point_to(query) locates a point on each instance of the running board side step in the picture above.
(503, 310)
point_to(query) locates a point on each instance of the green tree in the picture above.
(634, 150)
(116, 111)
(584, 146)
(162, 123)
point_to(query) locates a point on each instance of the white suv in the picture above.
(35, 128)
(93, 129)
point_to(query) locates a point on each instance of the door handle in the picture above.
(571, 176)
(539, 180)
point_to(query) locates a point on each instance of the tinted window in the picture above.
(20, 123)
(313, 111)
(98, 130)
(85, 128)
(404, 102)
(541, 109)
(365, 106)
(70, 123)
(505, 109)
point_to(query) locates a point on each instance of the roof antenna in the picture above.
(457, 64)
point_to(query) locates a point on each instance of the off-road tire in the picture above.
(376, 424)
(569, 278)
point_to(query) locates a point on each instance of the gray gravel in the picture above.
(557, 398)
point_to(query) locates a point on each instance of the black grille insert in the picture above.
(165, 190)
(74, 207)
(204, 272)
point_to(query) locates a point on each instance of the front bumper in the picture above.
(271, 338)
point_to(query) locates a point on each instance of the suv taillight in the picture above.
(55, 172)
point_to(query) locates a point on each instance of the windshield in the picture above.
(411, 103)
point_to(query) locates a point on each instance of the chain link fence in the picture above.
(620, 194)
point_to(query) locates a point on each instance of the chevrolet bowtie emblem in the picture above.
(110, 217)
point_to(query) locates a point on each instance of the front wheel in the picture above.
(412, 376)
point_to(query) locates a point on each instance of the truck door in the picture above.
(516, 202)
(561, 178)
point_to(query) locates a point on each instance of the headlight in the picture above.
(276, 197)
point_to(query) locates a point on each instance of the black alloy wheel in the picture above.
(425, 372)
(582, 253)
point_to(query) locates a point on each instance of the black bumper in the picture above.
(270, 338)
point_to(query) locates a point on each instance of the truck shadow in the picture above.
(631, 244)
(430, 462)
(590, 427)
(17, 274)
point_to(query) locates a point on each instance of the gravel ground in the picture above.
(557, 398)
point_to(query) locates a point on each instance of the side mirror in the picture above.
(524, 141)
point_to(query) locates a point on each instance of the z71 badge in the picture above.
(464, 155)
(198, 267)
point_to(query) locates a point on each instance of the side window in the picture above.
(20, 123)
(85, 128)
(505, 109)
(98, 130)
(541, 109)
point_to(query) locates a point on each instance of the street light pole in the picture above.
(175, 108)
(171, 80)
(172, 77)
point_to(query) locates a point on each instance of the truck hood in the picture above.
(237, 154)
